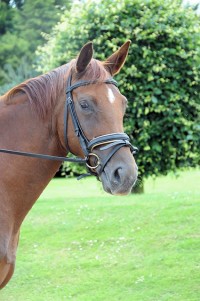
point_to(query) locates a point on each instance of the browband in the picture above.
(86, 83)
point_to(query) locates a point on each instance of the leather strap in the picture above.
(42, 156)
(86, 83)
(77, 127)
(106, 138)
(107, 159)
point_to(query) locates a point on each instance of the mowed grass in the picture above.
(78, 243)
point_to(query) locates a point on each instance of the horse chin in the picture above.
(115, 188)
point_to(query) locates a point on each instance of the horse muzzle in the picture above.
(120, 174)
(113, 162)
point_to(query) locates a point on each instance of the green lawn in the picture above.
(80, 244)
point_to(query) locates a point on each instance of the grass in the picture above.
(78, 243)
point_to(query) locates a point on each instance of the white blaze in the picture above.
(111, 96)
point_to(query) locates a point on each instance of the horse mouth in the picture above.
(115, 186)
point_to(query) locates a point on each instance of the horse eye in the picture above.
(84, 105)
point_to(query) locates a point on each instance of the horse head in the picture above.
(99, 108)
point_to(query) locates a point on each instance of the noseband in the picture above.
(113, 141)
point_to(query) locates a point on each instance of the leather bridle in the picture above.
(113, 141)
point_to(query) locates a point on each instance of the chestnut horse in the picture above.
(31, 120)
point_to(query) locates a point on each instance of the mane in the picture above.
(43, 91)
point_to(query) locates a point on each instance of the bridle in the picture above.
(113, 141)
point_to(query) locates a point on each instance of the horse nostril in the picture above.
(117, 175)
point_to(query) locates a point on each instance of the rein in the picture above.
(114, 140)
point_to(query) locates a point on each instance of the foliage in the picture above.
(15, 76)
(21, 27)
(161, 77)
(5, 16)
(81, 244)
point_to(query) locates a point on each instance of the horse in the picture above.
(31, 121)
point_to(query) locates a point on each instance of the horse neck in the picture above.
(23, 179)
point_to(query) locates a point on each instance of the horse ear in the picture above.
(84, 57)
(116, 61)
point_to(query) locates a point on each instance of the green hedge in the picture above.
(161, 77)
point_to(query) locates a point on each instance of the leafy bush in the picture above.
(21, 25)
(161, 77)
(13, 77)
